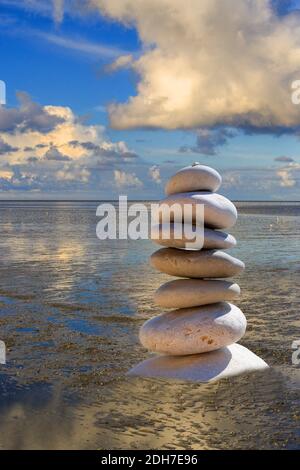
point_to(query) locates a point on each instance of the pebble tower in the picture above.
(196, 338)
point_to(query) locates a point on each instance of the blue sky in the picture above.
(65, 64)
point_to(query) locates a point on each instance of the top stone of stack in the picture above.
(196, 185)
(194, 178)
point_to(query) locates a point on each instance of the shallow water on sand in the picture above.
(70, 310)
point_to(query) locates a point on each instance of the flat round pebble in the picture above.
(194, 330)
(194, 178)
(219, 212)
(184, 293)
(175, 235)
(196, 264)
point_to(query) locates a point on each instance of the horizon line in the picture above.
(141, 200)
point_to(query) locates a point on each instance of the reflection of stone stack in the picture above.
(197, 340)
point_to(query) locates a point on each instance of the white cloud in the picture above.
(286, 179)
(208, 63)
(154, 173)
(125, 180)
(231, 179)
(73, 173)
(58, 10)
(124, 61)
(78, 44)
(262, 183)
(289, 176)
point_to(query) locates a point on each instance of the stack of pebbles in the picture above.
(197, 339)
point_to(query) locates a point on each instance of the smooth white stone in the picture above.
(194, 330)
(209, 367)
(186, 293)
(213, 239)
(219, 212)
(194, 178)
(196, 264)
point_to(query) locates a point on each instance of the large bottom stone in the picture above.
(208, 367)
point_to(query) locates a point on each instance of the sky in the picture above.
(110, 97)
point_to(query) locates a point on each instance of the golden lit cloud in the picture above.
(210, 62)
(49, 148)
